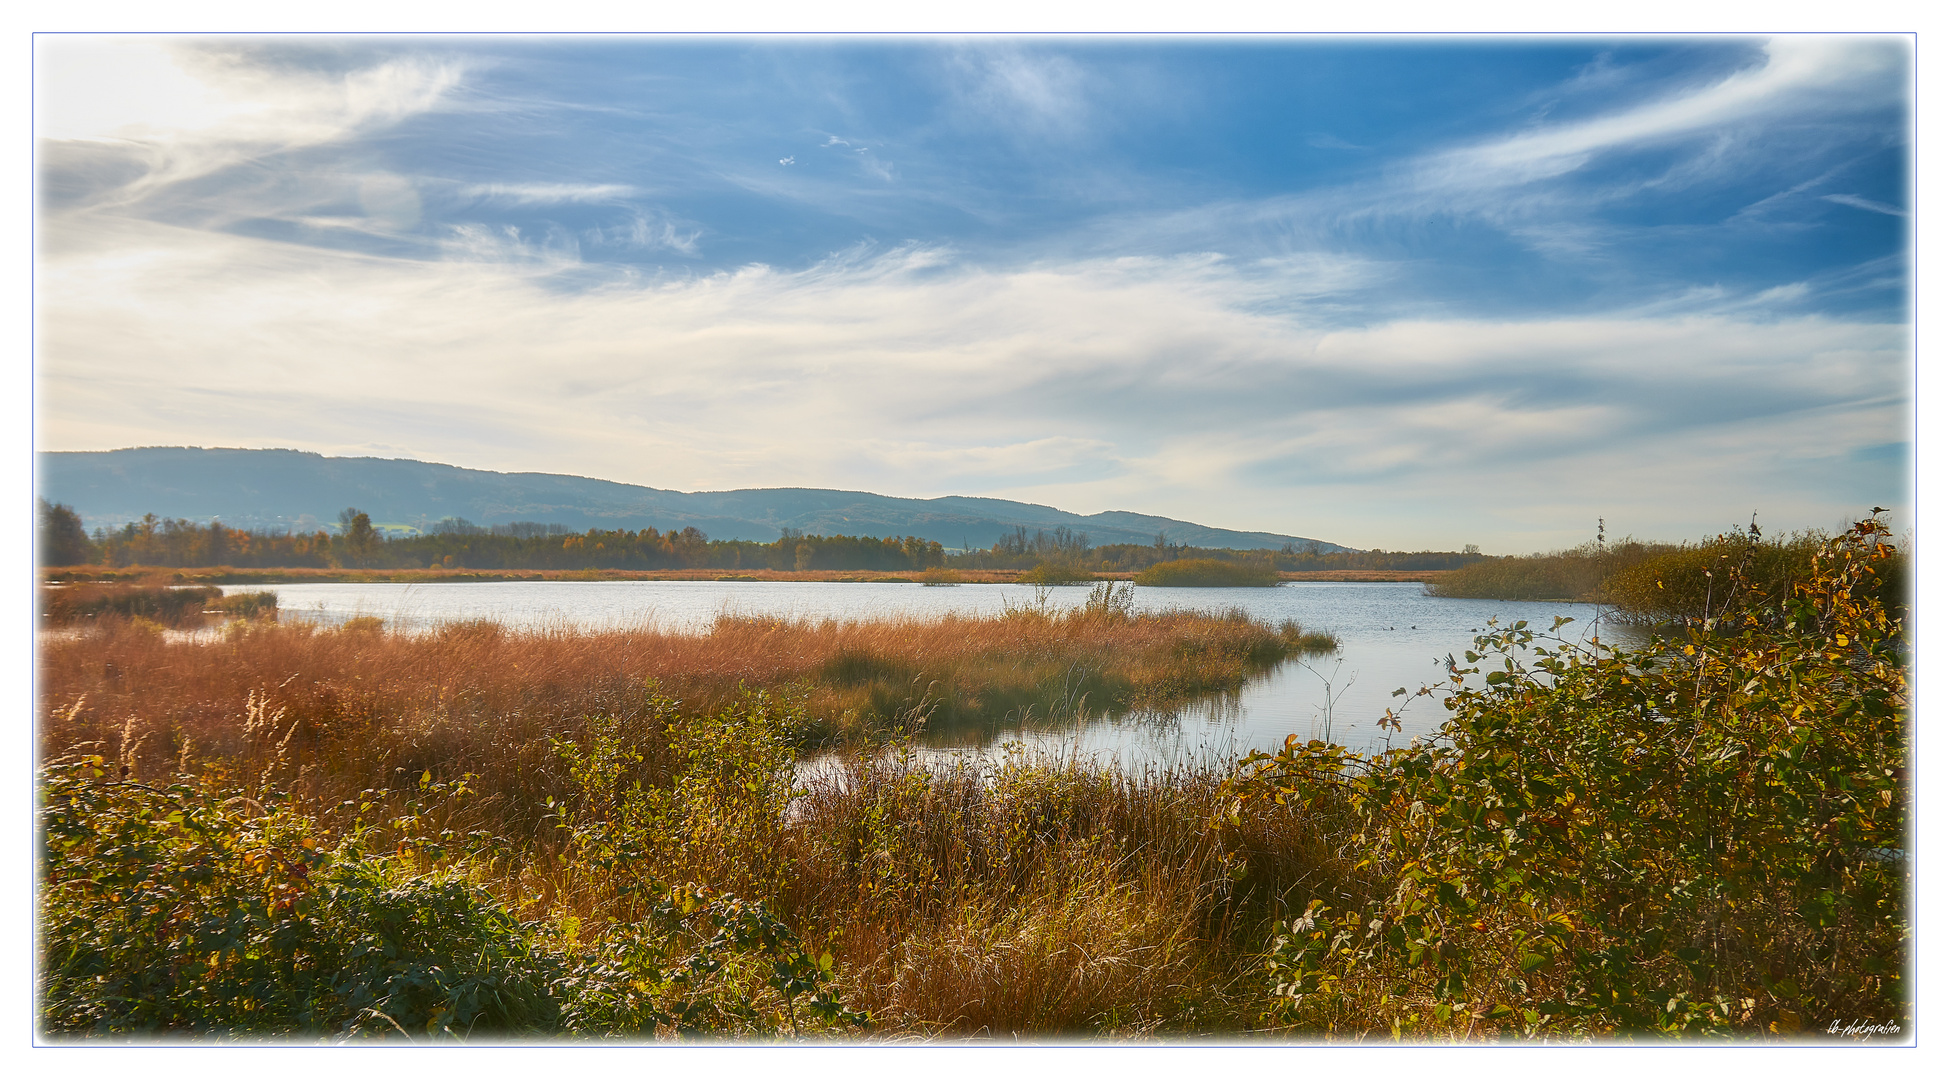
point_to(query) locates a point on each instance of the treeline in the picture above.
(458, 543)
(1023, 550)
(530, 545)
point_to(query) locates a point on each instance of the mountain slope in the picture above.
(281, 489)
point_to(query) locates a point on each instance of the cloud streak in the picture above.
(542, 194)
(1799, 74)
(206, 107)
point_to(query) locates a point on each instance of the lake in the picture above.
(1392, 635)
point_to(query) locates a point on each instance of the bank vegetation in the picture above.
(285, 830)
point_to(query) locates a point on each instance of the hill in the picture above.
(284, 489)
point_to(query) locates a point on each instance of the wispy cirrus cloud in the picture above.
(1796, 74)
(1037, 94)
(545, 193)
(205, 106)
(1870, 205)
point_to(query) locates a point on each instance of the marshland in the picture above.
(257, 823)
(902, 538)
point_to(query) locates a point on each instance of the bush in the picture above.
(179, 911)
(1705, 835)
(1208, 573)
(690, 959)
(190, 911)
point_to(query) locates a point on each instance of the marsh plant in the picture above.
(482, 833)
(1705, 836)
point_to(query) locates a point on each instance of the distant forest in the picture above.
(456, 543)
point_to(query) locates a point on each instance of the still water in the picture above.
(1392, 635)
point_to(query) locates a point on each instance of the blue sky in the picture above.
(1387, 292)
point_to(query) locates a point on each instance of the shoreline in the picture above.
(228, 575)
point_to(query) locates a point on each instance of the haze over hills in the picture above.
(286, 489)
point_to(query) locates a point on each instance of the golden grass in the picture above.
(1209, 573)
(156, 597)
(477, 697)
(1047, 898)
(1025, 897)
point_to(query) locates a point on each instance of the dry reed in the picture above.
(1027, 897)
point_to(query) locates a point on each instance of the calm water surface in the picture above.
(1392, 635)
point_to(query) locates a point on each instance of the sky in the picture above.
(1387, 292)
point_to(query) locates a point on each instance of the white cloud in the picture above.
(1871, 205)
(1040, 95)
(198, 106)
(1132, 383)
(136, 125)
(1522, 184)
(530, 194)
(1808, 74)
(646, 233)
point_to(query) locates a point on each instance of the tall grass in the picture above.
(1575, 574)
(1058, 572)
(1656, 584)
(155, 597)
(575, 775)
(1209, 573)
(1044, 897)
(478, 697)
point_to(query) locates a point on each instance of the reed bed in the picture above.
(1210, 573)
(1046, 897)
(1030, 896)
(463, 697)
(154, 597)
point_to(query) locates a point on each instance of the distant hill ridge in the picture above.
(279, 489)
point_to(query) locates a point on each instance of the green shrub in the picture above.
(181, 911)
(690, 959)
(701, 963)
(1704, 835)
(1208, 573)
(191, 911)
